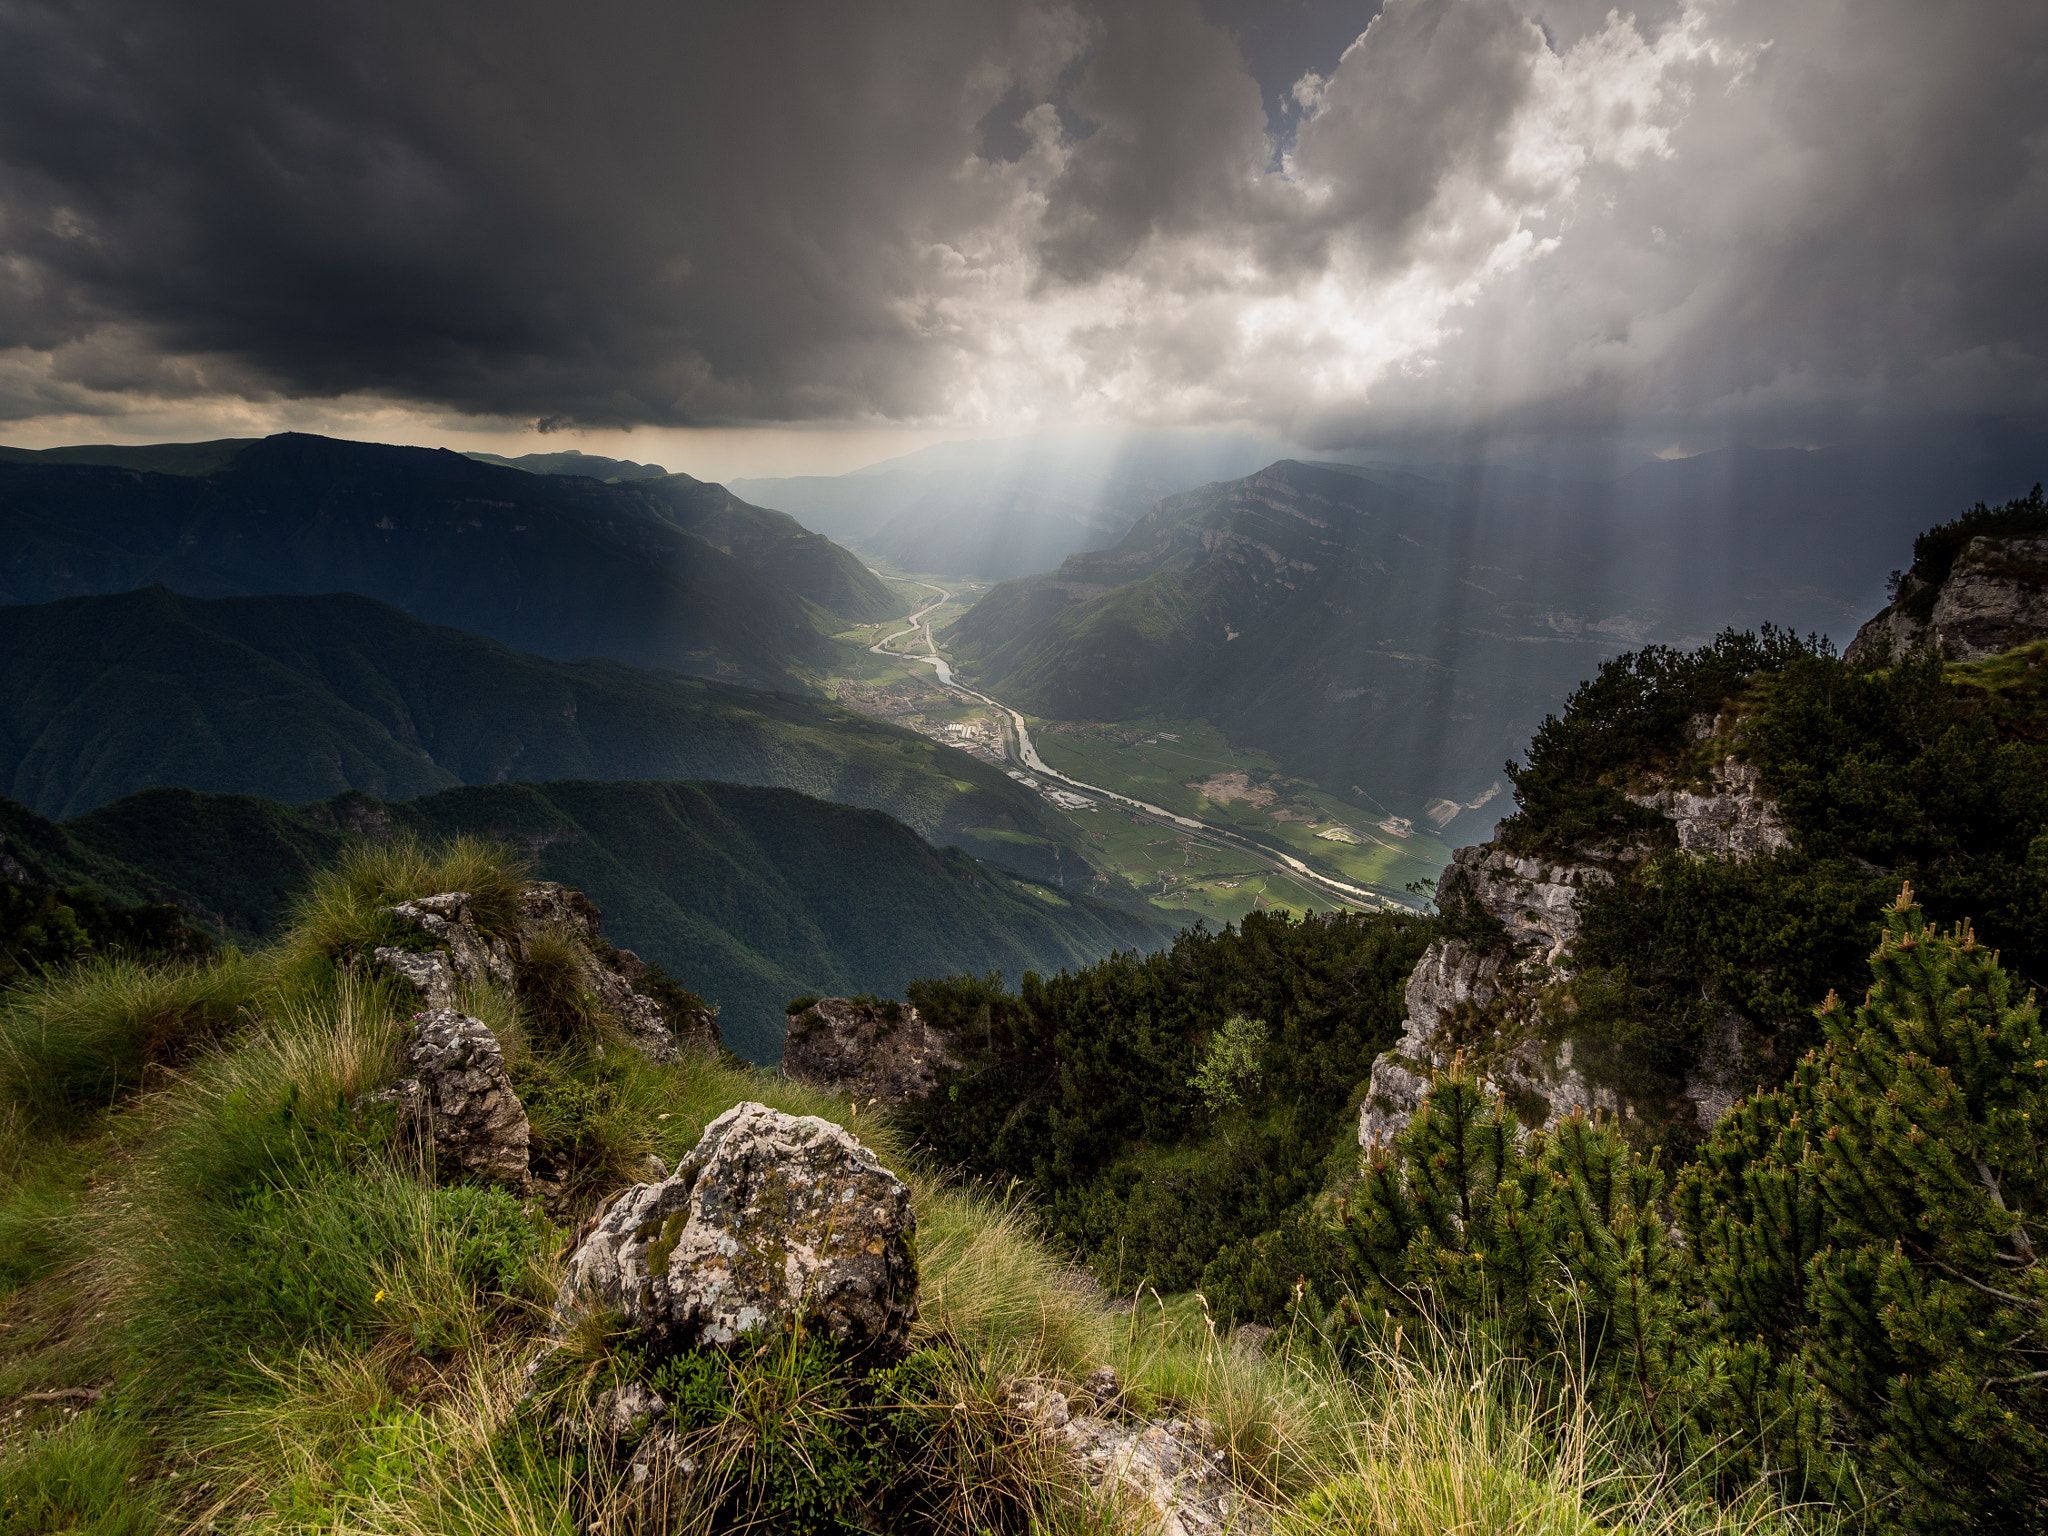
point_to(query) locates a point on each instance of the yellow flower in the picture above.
(376, 1298)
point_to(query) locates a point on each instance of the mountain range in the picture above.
(300, 698)
(749, 896)
(1000, 509)
(670, 572)
(1407, 632)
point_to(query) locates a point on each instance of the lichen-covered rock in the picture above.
(1994, 597)
(545, 906)
(769, 1218)
(1733, 821)
(460, 1098)
(478, 958)
(1164, 1475)
(427, 969)
(882, 1054)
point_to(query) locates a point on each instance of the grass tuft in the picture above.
(338, 915)
(76, 1041)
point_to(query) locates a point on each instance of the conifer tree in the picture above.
(1551, 1247)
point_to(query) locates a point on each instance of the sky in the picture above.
(794, 236)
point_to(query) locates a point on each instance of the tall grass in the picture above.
(74, 1042)
(338, 915)
(310, 1328)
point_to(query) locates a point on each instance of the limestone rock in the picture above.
(1535, 899)
(858, 1050)
(428, 970)
(1164, 1476)
(461, 1098)
(1455, 988)
(1994, 598)
(1735, 821)
(770, 1217)
(546, 906)
(478, 959)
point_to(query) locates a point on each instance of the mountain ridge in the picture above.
(681, 575)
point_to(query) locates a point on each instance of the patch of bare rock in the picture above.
(871, 1052)
(1165, 1477)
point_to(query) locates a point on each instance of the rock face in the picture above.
(1485, 1000)
(1994, 598)
(769, 1218)
(610, 973)
(461, 1099)
(1734, 821)
(1458, 995)
(860, 1051)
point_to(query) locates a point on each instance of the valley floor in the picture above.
(1208, 830)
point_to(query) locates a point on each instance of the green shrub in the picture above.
(1230, 1067)
(789, 1436)
(76, 1041)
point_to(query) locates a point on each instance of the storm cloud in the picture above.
(1017, 212)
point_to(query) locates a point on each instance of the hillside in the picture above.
(754, 895)
(1409, 632)
(300, 698)
(1336, 620)
(670, 573)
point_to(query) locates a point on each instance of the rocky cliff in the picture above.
(1977, 586)
(1501, 1001)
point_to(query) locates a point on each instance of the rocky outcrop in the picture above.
(1164, 1477)
(461, 953)
(876, 1053)
(1733, 820)
(609, 973)
(770, 1218)
(1464, 998)
(1484, 1000)
(479, 959)
(1994, 597)
(459, 1098)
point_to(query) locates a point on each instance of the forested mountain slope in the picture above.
(300, 698)
(670, 573)
(753, 895)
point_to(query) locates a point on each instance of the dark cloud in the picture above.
(1722, 214)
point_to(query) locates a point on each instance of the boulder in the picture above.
(875, 1053)
(460, 1098)
(770, 1218)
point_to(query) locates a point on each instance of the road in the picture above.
(1027, 754)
